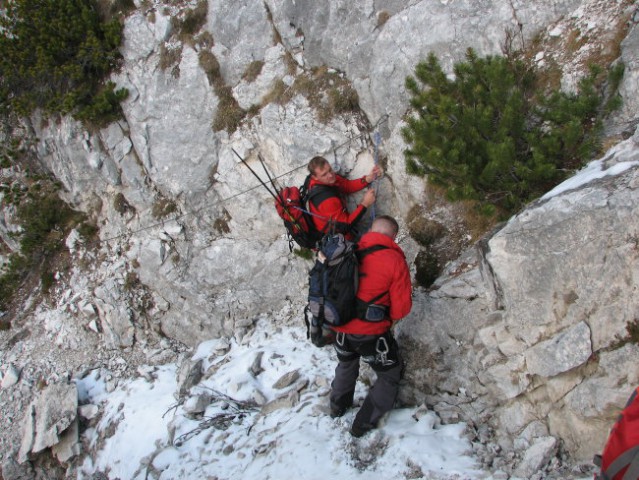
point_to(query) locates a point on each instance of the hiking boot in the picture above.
(337, 412)
(359, 430)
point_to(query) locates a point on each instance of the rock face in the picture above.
(51, 421)
(536, 322)
(530, 327)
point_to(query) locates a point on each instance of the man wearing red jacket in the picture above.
(326, 197)
(384, 296)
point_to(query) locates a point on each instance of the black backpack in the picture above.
(291, 205)
(333, 283)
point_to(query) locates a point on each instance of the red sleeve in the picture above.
(334, 208)
(351, 186)
(401, 299)
(356, 214)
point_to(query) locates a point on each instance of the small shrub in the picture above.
(204, 40)
(88, 230)
(163, 208)
(253, 110)
(221, 225)
(5, 323)
(105, 107)
(253, 71)
(109, 9)
(47, 280)
(382, 17)
(121, 205)
(326, 91)
(614, 100)
(427, 268)
(192, 20)
(342, 99)
(46, 221)
(210, 65)
(229, 114)
(492, 135)
(633, 331)
(43, 221)
(425, 231)
(169, 56)
(305, 253)
(277, 94)
(55, 56)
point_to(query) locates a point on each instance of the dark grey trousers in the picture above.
(382, 354)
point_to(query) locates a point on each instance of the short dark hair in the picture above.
(315, 163)
(386, 224)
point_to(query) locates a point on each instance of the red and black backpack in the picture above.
(291, 206)
(290, 203)
(620, 457)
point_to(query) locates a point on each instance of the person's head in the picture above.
(385, 225)
(321, 170)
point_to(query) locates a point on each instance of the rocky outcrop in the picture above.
(536, 323)
(51, 422)
(173, 200)
(522, 334)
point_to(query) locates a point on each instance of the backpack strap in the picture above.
(630, 459)
(633, 469)
(319, 193)
(365, 251)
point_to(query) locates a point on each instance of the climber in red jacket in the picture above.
(326, 197)
(384, 296)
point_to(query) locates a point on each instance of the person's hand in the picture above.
(369, 198)
(374, 174)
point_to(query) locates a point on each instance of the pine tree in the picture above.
(54, 55)
(489, 134)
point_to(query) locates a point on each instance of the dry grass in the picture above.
(210, 65)
(574, 41)
(610, 49)
(326, 91)
(108, 9)
(467, 212)
(382, 17)
(163, 207)
(189, 22)
(278, 94)
(204, 40)
(253, 71)
(291, 64)
(170, 57)
(229, 114)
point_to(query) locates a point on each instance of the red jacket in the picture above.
(334, 207)
(382, 271)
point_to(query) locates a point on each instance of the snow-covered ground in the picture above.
(151, 436)
(258, 425)
(599, 169)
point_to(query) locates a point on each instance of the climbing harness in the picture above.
(382, 350)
